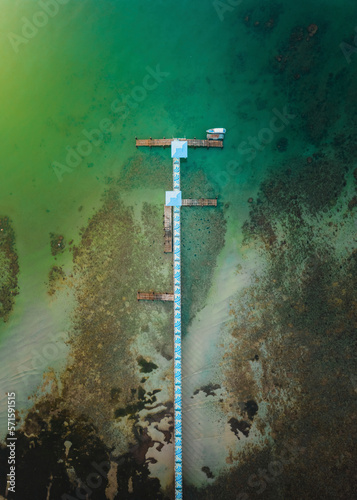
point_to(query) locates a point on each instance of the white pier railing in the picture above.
(177, 334)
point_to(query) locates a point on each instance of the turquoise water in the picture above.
(154, 69)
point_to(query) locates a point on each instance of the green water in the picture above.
(154, 69)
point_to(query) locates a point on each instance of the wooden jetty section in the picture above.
(166, 297)
(200, 202)
(167, 229)
(194, 143)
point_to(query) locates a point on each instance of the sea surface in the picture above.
(269, 276)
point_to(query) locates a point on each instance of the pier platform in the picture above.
(200, 202)
(167, 229)
(166, 297)
(194, 143)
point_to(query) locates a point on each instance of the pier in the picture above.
(166, 297)
(193, 143)
(186, 202)
(167, 229)
(172, 241)
(200, 202)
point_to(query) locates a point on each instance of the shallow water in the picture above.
(89, 63)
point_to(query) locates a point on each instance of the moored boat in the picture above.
(215, 137)
(216, 131)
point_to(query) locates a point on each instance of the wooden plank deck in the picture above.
(200, 202)
(166, 297)
(167, 229)
(195, 143)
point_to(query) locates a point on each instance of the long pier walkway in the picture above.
(177, 336)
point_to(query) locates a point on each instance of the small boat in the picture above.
(215, 137)
(216, 131)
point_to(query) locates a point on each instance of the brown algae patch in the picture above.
(152, 171)
(118, 384)
(56, 278)
(71, 460)
(262, 19)
(292, 342)
(117, 388)
(322, 95)
(57, 243)
(115, 259)
(9, 268)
